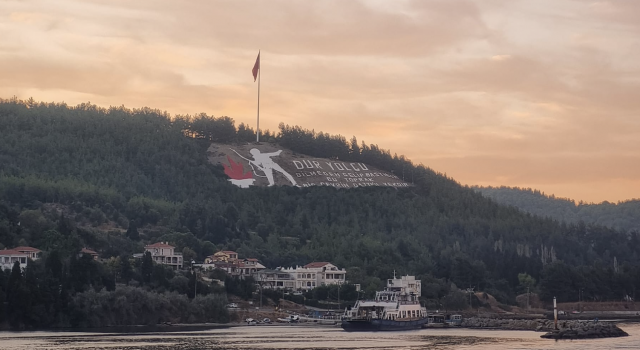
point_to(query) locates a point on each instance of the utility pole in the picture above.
(339, 308)
(470, 290)
(528, 298)
(555, 314)
(260, 284)
(195, 279)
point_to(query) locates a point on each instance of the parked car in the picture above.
(266, 320)
(232, 306)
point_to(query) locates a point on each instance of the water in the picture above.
(309, 337)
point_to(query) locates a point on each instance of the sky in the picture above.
(540, 94)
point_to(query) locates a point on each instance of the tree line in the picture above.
(624, 215)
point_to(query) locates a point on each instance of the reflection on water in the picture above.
(308, 337)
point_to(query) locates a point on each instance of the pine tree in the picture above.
(132, 231)
(146, 269)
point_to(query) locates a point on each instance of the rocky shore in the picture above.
(586, 330)
(566, 329)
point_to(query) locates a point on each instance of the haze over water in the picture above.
(305, 337)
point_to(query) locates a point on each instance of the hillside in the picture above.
(114, 179)
(624, 216)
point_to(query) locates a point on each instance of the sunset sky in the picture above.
(540, 94)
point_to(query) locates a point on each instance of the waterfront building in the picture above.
(316, 274)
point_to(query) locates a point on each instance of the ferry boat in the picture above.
(396, 308)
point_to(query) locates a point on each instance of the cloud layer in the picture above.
(540, 94)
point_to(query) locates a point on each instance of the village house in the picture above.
(317, 274)
(20, 254)
(163, 253)
(85, 251)
(247, 267)
(229, 262)
(275, 279)
(222, 256)
(34, 253)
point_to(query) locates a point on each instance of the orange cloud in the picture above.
(535, 94)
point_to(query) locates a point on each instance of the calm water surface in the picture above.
(305, 337)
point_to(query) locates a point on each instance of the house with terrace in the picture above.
(163, 253)
(8, 257)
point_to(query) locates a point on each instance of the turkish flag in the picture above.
(256, 68)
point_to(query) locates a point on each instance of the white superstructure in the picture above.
(399, 301)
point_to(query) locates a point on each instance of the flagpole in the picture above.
(258, 129)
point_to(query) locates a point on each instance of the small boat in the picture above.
(396, 308)
(290, 319)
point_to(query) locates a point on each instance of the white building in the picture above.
(20, 254)
(316, 274)
(34, 253)
(163, 253)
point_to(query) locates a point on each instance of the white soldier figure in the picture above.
(264, 162)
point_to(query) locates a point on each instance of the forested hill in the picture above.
(83, 176)
(623, 216)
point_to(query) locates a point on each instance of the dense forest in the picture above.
(115, 179)
(624, 215)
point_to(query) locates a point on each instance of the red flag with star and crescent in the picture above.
(256, 68)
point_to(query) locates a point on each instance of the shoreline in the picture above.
(475, 323)
(566, 329)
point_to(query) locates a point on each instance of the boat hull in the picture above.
(382, 325)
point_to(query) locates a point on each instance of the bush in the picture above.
(135, 306)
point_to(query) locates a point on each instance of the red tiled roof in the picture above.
(88, 251)
(316, 264)
(27, 249)
(251, 259)
(9, 252)
(159, 245)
